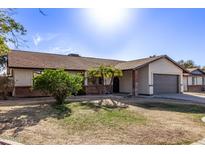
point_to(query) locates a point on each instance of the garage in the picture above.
(164, 83)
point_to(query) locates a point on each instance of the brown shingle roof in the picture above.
(136, 63)
(25, 59)
(194, 69)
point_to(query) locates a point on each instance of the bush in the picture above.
(6, 86)
(58, 83)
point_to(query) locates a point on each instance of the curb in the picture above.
(8, 142)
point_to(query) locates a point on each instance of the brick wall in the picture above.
(195, 88)
(93, 89)
(27, 91)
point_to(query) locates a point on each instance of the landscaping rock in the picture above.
(203, 119)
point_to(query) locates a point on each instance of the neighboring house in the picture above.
(194, 81)
(147, 76)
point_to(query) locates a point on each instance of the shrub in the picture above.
(6, 85)
(58, 83)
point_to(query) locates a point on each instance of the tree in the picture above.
(104, 72)
(6, 85)
(10, 31)
(187, 64)
(58, 83)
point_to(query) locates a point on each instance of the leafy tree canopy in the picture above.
(10, 31)
(105, 72)
(58, 83)
(187, 64)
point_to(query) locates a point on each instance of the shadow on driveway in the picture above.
(186, 96)
(184, 108)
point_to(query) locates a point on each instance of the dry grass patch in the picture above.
(147, 122)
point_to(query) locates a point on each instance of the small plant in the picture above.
(58, 83)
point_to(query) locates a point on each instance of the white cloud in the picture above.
(50, 36)
(62, 50)
(37, 39)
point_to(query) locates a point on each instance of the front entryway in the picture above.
(116, 85)
(165, 84)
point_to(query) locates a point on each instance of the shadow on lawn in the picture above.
(184, 108)
(17, 119)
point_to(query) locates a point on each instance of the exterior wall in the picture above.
(126, 82)
(23, 82)
(135, 84)
(196, 88)
(185, 81)
(23, 77)
(98, 89)
(143, 87)
(195, 83)
(199, 80)
(27, 91)
(164, 66)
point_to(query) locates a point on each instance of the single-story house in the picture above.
(194, 80)
(147, 76)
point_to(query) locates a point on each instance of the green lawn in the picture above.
(86, 116)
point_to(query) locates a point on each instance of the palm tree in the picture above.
(104, 72)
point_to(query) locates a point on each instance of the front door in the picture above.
(116, 85)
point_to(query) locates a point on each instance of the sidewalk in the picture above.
(8, 142)
(49, 100)
(26, 101)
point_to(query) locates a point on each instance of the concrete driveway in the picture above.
(187, 96)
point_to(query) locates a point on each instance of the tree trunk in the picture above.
(111, 81)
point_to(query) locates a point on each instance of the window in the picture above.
(193, 80)
(203, 80)
(36, 73)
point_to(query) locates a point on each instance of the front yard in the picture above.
(145, 122)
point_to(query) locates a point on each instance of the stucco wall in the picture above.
(164, 66)
(143, 80)
(185, 80)
(126, 82)
(23, 77)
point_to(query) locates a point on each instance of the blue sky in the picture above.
(117, 34)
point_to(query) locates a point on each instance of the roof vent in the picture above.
(74, 55)
(152, 56)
